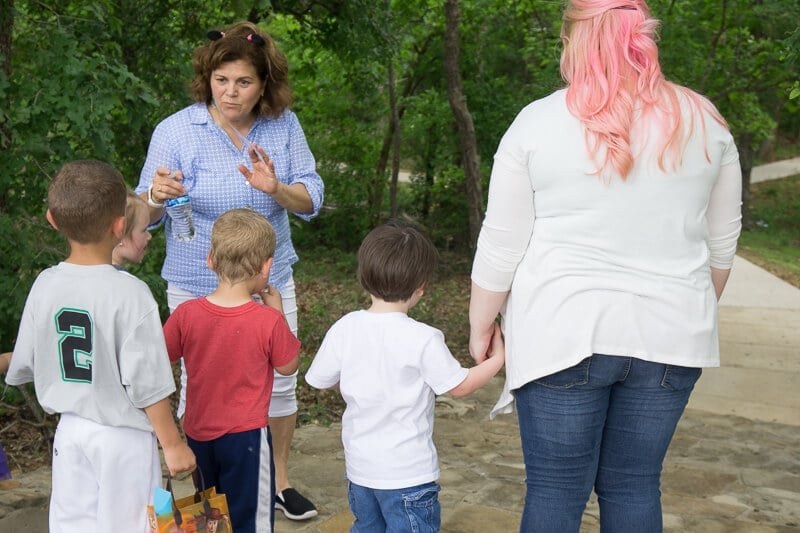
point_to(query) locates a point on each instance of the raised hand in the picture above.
(262, 177)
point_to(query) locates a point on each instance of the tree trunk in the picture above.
(395, 143)
(463, 118)
(389, 137)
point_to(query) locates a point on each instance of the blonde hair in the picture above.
(241, 241)
(135, 208)
(610, 63)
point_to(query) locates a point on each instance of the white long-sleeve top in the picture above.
(606, 266)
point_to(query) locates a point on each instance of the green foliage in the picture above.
(27, 244)
(792, 58)
(774, 240)
(731, 52)
(442, 208)
(336, 101)
(85, 97)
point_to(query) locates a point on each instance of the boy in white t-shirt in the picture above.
(389, 368)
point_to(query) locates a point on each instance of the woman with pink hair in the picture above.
(613, 215)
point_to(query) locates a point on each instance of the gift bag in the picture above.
(203, 512)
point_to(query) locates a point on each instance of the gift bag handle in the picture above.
(200, 490)
(199, 495)
(176, 514)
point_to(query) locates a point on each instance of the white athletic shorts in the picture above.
(284, 399)
(103, 477)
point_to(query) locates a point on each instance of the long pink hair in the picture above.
(610, 63)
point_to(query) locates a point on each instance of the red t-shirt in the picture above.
(230, 354)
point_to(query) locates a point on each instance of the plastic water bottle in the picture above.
(180, 211)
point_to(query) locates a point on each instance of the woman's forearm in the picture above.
(484, 306)
(294, 198)
(155, 213)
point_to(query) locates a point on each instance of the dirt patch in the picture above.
(26, 441)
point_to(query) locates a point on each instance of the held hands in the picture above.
(486, 343)
(263, 175)
(497, 349)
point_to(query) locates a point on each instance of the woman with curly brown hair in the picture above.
(238, 145)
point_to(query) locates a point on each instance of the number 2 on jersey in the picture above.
(75, 345)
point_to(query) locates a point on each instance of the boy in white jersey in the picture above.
(389, 368)
(90, 339)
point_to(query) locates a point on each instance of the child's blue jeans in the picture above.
(413, 509)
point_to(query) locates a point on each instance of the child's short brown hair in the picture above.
(84, 199)
(135, 208)
(241, 241)
(394, 260)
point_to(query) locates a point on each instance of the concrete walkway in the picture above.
(760, 343)
(734, 464)
(775, 170)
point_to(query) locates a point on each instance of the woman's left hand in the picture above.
(262, 176)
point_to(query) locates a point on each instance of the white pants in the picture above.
(284, 399)
(103, 477)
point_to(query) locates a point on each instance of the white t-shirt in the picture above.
(599, 265)
(389, 368)
(91, 340)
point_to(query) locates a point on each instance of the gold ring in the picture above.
(160, 187)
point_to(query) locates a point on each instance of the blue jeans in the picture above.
(605, 423)
(413, 509)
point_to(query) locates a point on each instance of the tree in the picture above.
(731, 51)
(792, 55)
(79, 81)
(466, 129)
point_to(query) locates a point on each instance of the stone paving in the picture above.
(723, 473)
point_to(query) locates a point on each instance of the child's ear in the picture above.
(209, 262)
(118, 227)
(49, 217)
(266, 267)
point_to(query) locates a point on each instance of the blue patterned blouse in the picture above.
(192, 142)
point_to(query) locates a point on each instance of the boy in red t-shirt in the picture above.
(230, 345)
